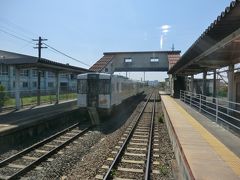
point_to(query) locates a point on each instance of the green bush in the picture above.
(3, 96)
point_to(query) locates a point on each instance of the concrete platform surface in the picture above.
(204, 155)
(13, 120)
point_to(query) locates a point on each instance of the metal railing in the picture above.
(29, 97)
(222, 111)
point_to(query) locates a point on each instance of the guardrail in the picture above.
(222, 111)
(29, 97)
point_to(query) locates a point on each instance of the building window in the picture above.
(34, 84)
(25, 84)
(106, 69)
(34, 73)
(51, 74)
(154, 60)
(3, 69)
(50, 84)
(64, 75)
(73, 76)
(14, 84)
(128, 60)
(24, 72)
(42, 73)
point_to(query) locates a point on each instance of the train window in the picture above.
(82, 86)
(104, 86)
(113, 87)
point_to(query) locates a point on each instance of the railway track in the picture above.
(134, 156)
(26, 160)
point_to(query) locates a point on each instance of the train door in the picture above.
(92, 95)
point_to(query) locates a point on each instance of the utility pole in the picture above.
(39, 47)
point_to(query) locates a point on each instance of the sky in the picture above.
(84, 29)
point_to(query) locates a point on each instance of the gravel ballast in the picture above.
(84, 158)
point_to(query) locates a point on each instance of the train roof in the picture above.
(94, 74)
(103, 76)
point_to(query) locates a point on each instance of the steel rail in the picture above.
(148, 163)
(34, 146)
(117, 157)
(47, 155)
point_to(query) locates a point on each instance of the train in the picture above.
(105, 91)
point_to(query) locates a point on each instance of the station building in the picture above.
(29, 76)
(24, 75)
(28, 73)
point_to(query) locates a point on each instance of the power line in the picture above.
(66, 55)
(50, 47)
(15, 36)
(13, 31)
(11, 25)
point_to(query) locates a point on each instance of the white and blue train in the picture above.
(105, 91)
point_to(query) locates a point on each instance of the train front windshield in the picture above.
(92, 88)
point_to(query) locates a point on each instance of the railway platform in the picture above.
(12, 123)
(26, 116)
(202, 151)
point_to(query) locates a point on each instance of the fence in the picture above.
(222, 111)
(29, 97)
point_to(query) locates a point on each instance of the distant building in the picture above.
(153, 83)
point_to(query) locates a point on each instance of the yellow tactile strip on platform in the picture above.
(225, 154)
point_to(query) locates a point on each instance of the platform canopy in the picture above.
(218, 46)
(25, 61)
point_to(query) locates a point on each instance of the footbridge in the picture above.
(136, 61)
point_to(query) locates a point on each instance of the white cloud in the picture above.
(165, 30)
(165, 27)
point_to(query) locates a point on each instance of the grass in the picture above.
(113, 172)
(163, 170)
(161, 118)
(44, 99)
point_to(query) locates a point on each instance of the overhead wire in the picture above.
(12, 26)
(64, 54)
(50, 47)
(15, 36)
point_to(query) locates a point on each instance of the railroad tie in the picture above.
(59, 141)
(135, 154)
(29, 158)
(155, 171)
(132, 161)
(143, 144)
(18, 166)
(4, 177)
(137, 149)
(134, 139)
(71, 134)
(130, 170)
(66, 137)
(117, 178)
(41, 151)
(50, 145)
(99, 176)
